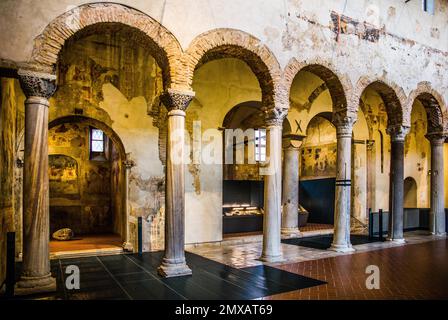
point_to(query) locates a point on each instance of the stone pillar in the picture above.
(36, 276)
(371, 175)
(273, 187)
(396, 188)
(437, 211)
(290, 188)
(128, 164)
(174, 263)
(341, 236)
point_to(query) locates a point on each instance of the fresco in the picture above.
(63, 175)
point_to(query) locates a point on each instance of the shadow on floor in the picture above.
(324, 242)
(133, 276)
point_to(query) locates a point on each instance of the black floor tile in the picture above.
(324, 242)
(150, 290)
(135, 277)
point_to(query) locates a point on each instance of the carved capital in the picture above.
(397, 132)
(176, 100)
(36, 84)
(344, 124)
(275, 116)
(436, 138)
(370, 144)
(129, 163)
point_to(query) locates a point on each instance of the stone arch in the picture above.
(95, 123)
(120, 215)
(434, 105)
(164, 46)
(248, 114)
(339, 85)
(392, 95)
(231, 43)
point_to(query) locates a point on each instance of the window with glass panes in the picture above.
(260, 145)
(96, 142)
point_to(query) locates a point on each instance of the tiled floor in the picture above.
(131, 276)
(247, 254)
(416, 271)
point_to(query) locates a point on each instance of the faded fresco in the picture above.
(63, 175)
(80, 188)
(319, 150)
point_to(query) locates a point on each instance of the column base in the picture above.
(127, 246)
(398, 241)
(168, 270)
(33, 285)
(341, 248)
(291, 232)
(269, 258)
(439, 234)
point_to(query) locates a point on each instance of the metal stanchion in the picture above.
(10, 263)
(140, 235)
(380, 224)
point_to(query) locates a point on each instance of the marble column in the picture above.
(290, 188)
(128, 164)
(396, 186)
(174, 264)
(437, 211)
(341, 236)
(272, 251)
(371, 175)
(36, 276)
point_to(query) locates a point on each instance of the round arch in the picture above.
(94, 123)
(339, 85)
(121, 220)
(434, 105)
(410, 193)
(232, 43)
(89, 17)
(392, 95)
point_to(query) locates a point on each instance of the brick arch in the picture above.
(165, 47)
(393, 97)
(231, 43)
(339, 85)
(435, 107)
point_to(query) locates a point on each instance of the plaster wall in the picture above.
(408, 46)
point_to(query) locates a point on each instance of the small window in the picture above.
(428, 6)
(97, 144)
(260, 145)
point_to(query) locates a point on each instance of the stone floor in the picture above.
(247, 254)
(414, 271)
(311, 229)
(134, 276)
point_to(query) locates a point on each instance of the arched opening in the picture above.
(359, 189)
(87, 184)
(318, 169)
(243, 186)
(410, 193)
(381, 105)
(224, 68)
(113, 72)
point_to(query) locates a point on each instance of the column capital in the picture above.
(344, 124)
(275, 116)
(176, 99)
(436, 138)
(370, 144)
(397, 132)
(36, 84)
(129, 163)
